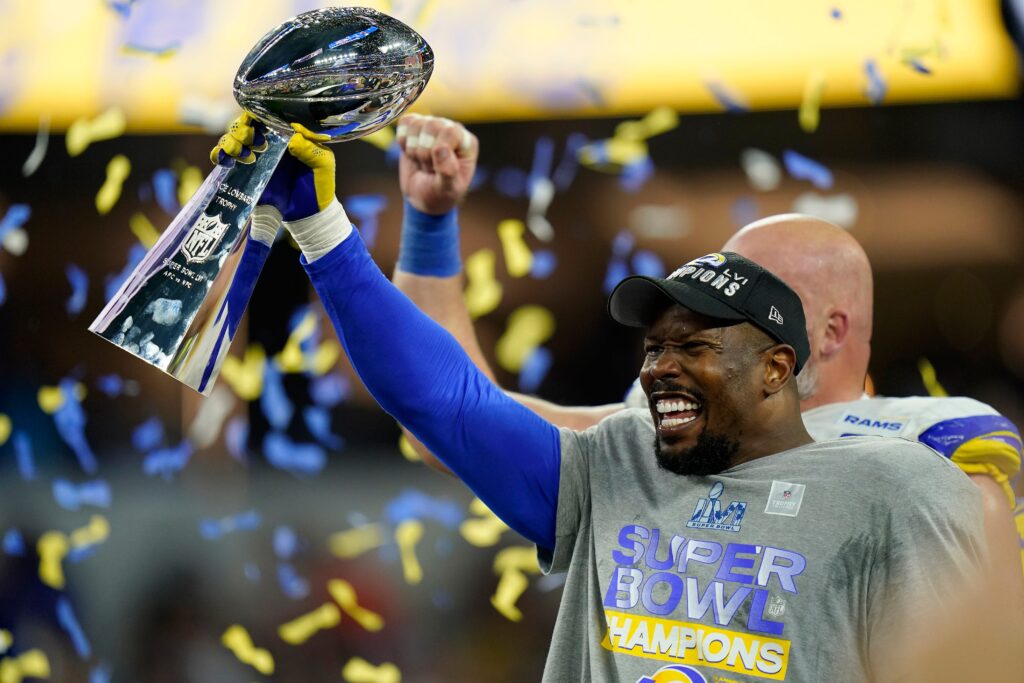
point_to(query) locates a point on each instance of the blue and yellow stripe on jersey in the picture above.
(980, 444)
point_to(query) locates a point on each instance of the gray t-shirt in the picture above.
(793, 566)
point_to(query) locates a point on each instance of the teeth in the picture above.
(676, 422)
(666, 406)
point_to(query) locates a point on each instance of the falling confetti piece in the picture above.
(135, 255)
(143, 230)
(804, 168)
(79, 281)
(657, 121)
(13, 543)
(148, 435)
(95, 532)
(38, 153)
(358, 670)
(210, 418)
(292, 585)
(649, 264)
(528, 327)
(407, 535)
(286, 542)
(5, 428)
(237, 639)
(415, 504)
(877, 87)
(157, 52)
(511, 586)
(612, 155)
(6, 639)
(24, 456)
(188, 182)
(354, 542)
(73, 496)
(67, 620)
(31, 664)
(535, 369)
(117, 172)
(836, 13)
(486, 529)
(917, 65)
(762, 170)
(565, 172)
(810, 104)
(318, 422)
(301, 629)
(729, 100)
(365, 210)
(405, 447)
(483, 291)
(930, 378)
(14, 218)
(841, 209)
(345, 595)
(329, 390)
(83, 132)
(52, 548)
(543, 264)
(245, 375)
(274, 401)
(165, 462)
(69, 418)
(100, 674)
(165, 183)
(297, 458)
(213, 529)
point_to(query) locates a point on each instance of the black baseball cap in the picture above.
(721, 285)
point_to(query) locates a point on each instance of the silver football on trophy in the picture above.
(340, 71)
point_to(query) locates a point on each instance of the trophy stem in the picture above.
(181, 306)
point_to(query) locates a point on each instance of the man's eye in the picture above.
(693, 346)
(651, 350)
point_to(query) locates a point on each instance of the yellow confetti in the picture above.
(381, 139)
(97, 531)
(189, 181)
(83, 132)
(407, 535)
(50, 399)
(484, 531)
(528, 327)
(5, 428)
(143, 230)
(810, 105)
(930, 378)
(290, 358)
(245, 375)
(518, 257)
(519, 557)
(345, 595)
(52, 548)
(355, 542)
(404, 445)
(511, 586)
(325, 357)
(611, 155)
(358, 670)
(6, 640)
(483, 293)
(117, 172)
(237, 639)
(31, 664)
(299, 630)
(140, 51)
(658, 121)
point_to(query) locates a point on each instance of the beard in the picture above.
(807, 380)
(713, 453)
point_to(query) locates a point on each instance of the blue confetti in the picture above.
(251, 571)
(124, 8)
(297, 458)
(618, 270)
(166, 461)
(415, 504)
(877, 86)
(286, 542)
(535, 369)
(70, 422)
(917, 65)
(544, 263)
(543, 157)
(648, 263)
(71, 497)
(100, 674)
(329, 390)
(17, 215)
(212, 529)
(728, 100)
(511, 182)
(623, 243)
(292, 585)
(565, 173)
(803, 168)
(235, 435)
(82, 552)
(392, 154)
(23, 453)
(114, 282)
(165, 187)
(79, 280)
(274, 402)
(148, 435)
(366, 208)
(13, 543)
(112, 385)
(836, 13)
(635, 174)
(318, 422)
(67, 620)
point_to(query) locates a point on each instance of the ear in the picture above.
(780, 363)
(837, 327)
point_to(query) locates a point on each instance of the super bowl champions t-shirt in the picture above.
(789, 567)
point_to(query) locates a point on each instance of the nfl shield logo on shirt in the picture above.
(785, 499)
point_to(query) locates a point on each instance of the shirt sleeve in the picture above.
(507, 454)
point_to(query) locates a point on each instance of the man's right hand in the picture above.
(437, 164)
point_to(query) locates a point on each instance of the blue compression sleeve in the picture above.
(507, 454)
(430, 244)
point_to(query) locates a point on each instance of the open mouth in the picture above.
(675, 412)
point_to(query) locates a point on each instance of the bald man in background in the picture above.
(825, 266)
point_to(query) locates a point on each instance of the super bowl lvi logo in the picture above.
(203, 238)
(674, 673)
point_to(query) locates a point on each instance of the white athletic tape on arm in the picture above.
(321, 232)
(266, 221)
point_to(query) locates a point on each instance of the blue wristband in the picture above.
(430, 244)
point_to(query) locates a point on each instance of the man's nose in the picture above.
(665, 365)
